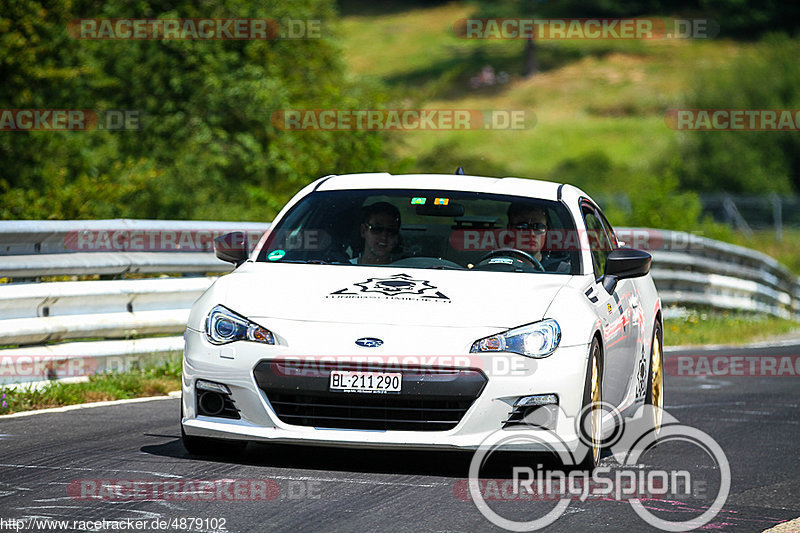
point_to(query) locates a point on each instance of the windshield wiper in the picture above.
(445, 267)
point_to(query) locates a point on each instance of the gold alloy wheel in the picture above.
(657, 382)
(596, 412)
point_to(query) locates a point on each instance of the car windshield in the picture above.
(426, 229)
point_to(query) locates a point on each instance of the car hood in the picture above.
(384, 295)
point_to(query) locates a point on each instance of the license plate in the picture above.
(374, 382)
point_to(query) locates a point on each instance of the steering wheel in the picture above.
(514, 252)
(335, 254)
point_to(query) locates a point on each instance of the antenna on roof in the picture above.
(459, 171)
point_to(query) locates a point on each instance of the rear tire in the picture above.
(655, 379)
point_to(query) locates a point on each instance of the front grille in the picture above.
(369, 411)
(431, 399)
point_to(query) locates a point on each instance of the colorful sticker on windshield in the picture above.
(418, 201)
(441, 201)
(276, 255)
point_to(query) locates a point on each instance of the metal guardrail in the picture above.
(690, 270)
(31, 249)
(141, 317)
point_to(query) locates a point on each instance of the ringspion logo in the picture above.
(697, 478)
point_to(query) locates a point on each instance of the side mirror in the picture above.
(232, 247)
(625, 263)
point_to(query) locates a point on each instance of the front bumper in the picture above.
(508, 377)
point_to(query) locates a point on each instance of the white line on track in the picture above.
(84, 469)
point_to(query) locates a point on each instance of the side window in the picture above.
(599, 242)
(609, 230)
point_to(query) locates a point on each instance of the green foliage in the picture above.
(447, 156)
(663, 205)
(206, 147)
(745, 162)
(748, 19)
(593, 171)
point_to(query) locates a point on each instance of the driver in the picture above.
(529, 218)
(380, 230)
(533, 219)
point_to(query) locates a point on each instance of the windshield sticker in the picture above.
(276, 255)
(417, 200)
(397, 287)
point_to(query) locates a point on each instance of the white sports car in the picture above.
(422, 311)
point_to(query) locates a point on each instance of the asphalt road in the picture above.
(47, 459)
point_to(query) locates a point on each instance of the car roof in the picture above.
(546, 190)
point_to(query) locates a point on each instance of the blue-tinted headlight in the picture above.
(224, 326)
(533, 340)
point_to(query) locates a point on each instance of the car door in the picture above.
(613, 309)
(635, 324)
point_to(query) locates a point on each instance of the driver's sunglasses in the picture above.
(538, 227)
(377, 229)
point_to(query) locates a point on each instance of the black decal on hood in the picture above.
(393, 286)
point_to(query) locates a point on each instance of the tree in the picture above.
(206, 147)
(742, 161)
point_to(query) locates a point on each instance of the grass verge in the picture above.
(707, 327)
(153, 379)
(590, 95)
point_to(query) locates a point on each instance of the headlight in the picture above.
(534, 340)
(224, 326)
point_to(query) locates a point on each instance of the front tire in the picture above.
(655, 379)
(591, 417)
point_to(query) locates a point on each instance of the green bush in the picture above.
(737, 161)
(207, 147)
